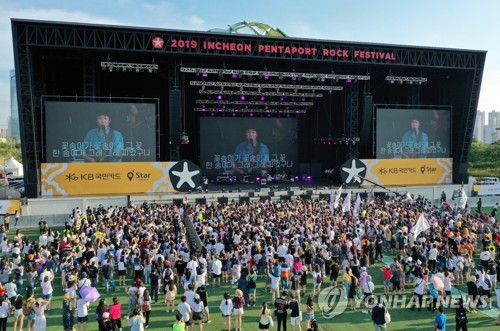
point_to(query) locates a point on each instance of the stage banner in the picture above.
(10, 206)
(493, 189)
(409, 171)
(66, 179)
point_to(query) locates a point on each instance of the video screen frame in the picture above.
(407, 131)
(225, 142)
(72, 131)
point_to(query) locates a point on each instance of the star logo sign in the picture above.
(352, 171)
(185, 176)
(158, 42)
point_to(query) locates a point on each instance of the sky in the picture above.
(445, 23)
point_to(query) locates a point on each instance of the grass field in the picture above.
(402, 318)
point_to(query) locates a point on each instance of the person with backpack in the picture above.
(252, 288)
(317, 279)
(281, 305)
(379, 316)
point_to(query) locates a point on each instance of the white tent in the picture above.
(13, 166)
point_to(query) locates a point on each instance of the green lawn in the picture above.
(402, 319)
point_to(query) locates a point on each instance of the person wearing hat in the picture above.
(103, 144)
(461, 316)
(198, 311)
(67, 311)
(39, 308)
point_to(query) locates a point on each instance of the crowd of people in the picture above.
(283, 247)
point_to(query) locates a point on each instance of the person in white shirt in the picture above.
(47, 291)
(447, 287)
(185, 310)
(418, 292)
(84, 281)
(433, 252)
(82, 309)
(226, 307)
(11, 290)
(216, 271)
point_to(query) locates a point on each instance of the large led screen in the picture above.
(100, 132)
(412, 133)
(245, 146)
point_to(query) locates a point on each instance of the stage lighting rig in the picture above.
(296, 76)
(135, 67)
(406, 80)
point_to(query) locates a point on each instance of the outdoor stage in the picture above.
(184, 95)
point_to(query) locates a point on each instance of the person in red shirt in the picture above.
(115, 314)
(387, 278)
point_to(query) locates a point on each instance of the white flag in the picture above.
(408, 197)
(332, 210)
(463, 199)
(346, 205)
(421, 226)
(357, 203)
(370, 198)
(337, 197)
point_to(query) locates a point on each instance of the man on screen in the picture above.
(251, 154)
(103, 144)
(415, 142)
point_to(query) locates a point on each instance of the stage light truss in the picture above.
(280, 74)
(250, 110)
(406, 80)
(265, 94)
(255, 103)
(269, 86)
(122, 66)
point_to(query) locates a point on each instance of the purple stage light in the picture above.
(234, 76)
(296, 178)
(322, 80)
(204, 75)
(294, 78)
(282, 99)
(268, 111)
(349, 81)
(234, 114)
(251, 114)
(302, 99)
(262, 98)
(236, 110)
(257, 179)
(242, 97)
(212, 114)
(220, 109)
(266, 77)
(219, 97)
(297, 111)
(268, 115)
